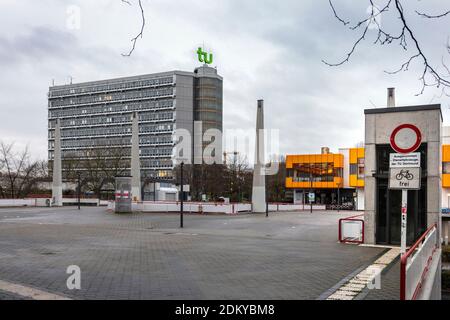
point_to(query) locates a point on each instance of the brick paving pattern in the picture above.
(146, 256)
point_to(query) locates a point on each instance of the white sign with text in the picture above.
(398, 160)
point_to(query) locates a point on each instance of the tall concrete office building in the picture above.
(98, 115)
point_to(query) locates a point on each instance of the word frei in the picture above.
(203, 56)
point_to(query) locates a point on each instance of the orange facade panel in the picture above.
(446, 153)
(337, 159)
(290, 184)
(446, 180)
(361, 153)
(355, 182)
(355, 154)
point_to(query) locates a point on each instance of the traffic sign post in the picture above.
(404, 169)
(404, 220)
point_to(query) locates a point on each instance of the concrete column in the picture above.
(57, 174)
(135, 161)
(259, 181)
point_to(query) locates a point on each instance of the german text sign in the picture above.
(404, 178)
(410, 160)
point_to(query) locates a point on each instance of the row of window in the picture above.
(209, 104)
(155, 152)
(112, 130)
(99, 120)
(112, 86)
(121, 153)
(113, 107)
(208, 116)
(151, 163)
(116, 96)
(317, 172)
(358, 169)
(86, 143)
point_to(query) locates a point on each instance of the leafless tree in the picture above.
(240, 177)
(18, 173)
(100, 166)
(276, 184)
(404, 35)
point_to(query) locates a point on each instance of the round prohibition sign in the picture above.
(406, 138)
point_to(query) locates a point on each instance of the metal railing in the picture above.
(415, 264)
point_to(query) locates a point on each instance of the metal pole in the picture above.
(154, 190)
(182, 195)
(79, 191)
(339, 197)
(310, 190)
(267, 197)
(404, 220)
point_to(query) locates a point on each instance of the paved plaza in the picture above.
(147, 256)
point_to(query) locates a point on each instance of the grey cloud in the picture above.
(313, 105)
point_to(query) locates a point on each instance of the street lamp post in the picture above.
(182, 195)
(267, 195)
(339, 197)
(79, 190)
(310, 189)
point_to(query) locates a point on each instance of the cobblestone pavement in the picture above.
(146, 256)
(10, 296)
(390, 285)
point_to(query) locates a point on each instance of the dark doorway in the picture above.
(388, 208)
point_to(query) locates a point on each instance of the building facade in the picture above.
(353, 175)
(326, 175)
(98, 116)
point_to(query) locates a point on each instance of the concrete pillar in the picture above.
(135, 161)
(57, 174)
(259, 181)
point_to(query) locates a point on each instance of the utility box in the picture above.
(123, 195)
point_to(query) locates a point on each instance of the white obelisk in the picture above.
(57, 174)
(259, 181)
(135, 162)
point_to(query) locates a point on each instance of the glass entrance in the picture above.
(388, 208)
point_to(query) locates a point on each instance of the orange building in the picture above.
(322, 175)
(339, 178)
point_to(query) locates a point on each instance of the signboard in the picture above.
(406, 138)
(204, 57)
(398, 160)
(404, 178)
(311, 197)
(186, 188)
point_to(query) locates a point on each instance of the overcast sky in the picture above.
(268, 49)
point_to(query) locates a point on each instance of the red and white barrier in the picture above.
(415, 264)
(351, 229)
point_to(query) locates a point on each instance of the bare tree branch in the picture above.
(431, 16)
(336, 15)
(140, 34)
(430, 75)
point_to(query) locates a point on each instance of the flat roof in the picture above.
(121, 79)
(405, 109)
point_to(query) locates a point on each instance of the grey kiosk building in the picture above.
(98, 115)
(382, 205)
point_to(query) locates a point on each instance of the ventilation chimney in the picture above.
(391, 98)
